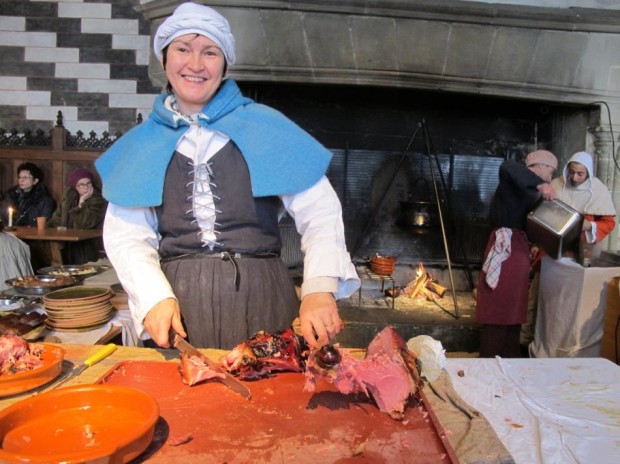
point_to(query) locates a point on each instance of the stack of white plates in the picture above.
(78, 309)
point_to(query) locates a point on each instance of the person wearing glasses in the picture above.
(82, 207)
(28, 199)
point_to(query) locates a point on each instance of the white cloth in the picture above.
(14, 259)
(190, 18)
(131, 239)
(571, 309)
(546, 411)
(500, 252)
(590, 197)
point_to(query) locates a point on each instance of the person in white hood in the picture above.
(578, 188)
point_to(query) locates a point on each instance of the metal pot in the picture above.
(416, 215)
(555, 227)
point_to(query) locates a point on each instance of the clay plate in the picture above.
(12, 384)
(81, 423)
(77, 296)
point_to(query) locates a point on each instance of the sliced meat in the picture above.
(194, 370)
(388, 373)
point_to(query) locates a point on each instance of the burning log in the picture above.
(436, 288)
(423, 285)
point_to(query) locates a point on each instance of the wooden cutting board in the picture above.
(209, 423)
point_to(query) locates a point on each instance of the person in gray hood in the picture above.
(578, 188)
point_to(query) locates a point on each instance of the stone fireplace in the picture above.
(486, 81)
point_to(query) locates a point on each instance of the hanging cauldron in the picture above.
(417, 213)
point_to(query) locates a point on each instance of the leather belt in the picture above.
(224, 256)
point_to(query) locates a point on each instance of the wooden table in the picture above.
(56, 238)
(220, 428)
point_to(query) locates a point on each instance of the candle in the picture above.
(10, 217)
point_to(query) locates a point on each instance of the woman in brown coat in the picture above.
(82, 207)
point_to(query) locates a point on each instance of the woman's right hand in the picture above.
(89, 193)
(547, 191)
(163, 317)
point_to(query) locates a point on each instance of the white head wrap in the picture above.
(191, 18)
(590, 197)
(581, 157)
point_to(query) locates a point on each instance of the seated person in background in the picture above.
(578, 188)
(82, 207)
(29, 198)
(14, 258)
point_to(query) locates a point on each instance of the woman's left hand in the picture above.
(319, 319)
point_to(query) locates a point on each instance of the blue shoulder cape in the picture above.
(282, 158)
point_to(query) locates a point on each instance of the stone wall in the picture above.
(92, 61)
(88, 60)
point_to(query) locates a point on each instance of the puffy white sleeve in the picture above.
(318, 218)
(131, 243)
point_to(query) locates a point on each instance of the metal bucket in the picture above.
(555, 227)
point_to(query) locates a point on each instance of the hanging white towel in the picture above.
(498, 254)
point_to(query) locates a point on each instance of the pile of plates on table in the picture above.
(78, 309)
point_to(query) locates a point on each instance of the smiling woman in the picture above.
(194, 67)
(220, 170)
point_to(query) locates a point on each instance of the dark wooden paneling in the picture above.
(56, 162)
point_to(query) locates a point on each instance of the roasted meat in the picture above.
(17, 355)
(194, 370)
(15, 323)
(265, 353)
(388, 373)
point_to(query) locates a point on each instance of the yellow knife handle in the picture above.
(101, 354)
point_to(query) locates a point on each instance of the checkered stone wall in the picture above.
(88, 59)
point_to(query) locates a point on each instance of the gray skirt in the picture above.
(224, 302)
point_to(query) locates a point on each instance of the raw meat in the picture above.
(265, 353)
(388, 373)
(194, 370)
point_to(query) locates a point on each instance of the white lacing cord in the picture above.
(203, 203)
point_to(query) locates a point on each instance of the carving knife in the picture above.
(231, 382)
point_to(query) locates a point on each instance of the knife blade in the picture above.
(231, 382)
(90, 361)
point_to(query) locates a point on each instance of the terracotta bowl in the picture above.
(52, 356)
(78, 424)
(383, 265)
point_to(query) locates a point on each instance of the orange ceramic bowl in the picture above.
(79, 424)
(383, 265)
(52, 356)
